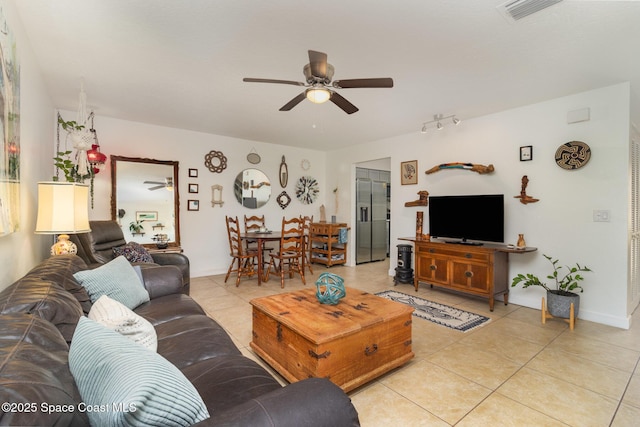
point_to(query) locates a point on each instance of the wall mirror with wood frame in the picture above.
(145, 192)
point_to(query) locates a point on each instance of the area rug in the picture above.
(441, 314)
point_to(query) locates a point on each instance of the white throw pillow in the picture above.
(119, 318)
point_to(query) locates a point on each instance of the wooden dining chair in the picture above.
(253, 224)
(288, 259)
(245, 259)
(306, 227)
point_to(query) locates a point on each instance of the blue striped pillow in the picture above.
(116, 279)
(129, 384)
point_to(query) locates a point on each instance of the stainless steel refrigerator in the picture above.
(371, 220)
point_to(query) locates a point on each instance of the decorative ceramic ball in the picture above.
(330, 288)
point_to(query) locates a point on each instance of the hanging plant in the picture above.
(65, 164)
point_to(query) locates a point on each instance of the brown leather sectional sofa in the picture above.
(39, 313)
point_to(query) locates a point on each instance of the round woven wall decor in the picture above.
(215, 161)
(573, 155)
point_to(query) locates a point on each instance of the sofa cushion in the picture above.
(226, 381)
(117, 279)
(176, 340)
(34, 371)
(133, 252)
(168, 307)
(44, 299)
(59, 269)
(117, 317)
(109, 368)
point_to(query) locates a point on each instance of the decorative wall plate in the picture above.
(307, 189)
(573, 155)
(253, 157)
(283, 199)
(305, 164)
(215, 161)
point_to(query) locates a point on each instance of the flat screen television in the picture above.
(468, 219)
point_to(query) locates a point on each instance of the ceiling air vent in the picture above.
(515, 10)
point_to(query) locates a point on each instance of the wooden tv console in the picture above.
(478, 270)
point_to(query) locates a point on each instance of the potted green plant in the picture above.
(136, 227)
(559, 299)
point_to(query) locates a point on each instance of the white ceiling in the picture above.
(180, 63)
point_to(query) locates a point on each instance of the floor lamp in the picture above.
(63, 208)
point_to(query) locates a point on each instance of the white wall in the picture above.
(203, 233)
(21, 250)
(561, 223)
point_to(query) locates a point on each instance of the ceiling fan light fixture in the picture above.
(424, 128)
(456, 121)
(318, 95)
(439, 126)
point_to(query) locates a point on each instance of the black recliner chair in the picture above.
(96, 248)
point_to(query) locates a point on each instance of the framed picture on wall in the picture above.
(146, 216)
(526, 153)
(193, 188)
(193, 173)
(193, 205)
(409, 172)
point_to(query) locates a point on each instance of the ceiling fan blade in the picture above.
(318, 63)
(153, 182)
(341, 102)
(157, 187)
(295, 101)
(363, 83)
(282, 82)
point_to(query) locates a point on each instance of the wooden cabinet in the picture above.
(326, 245)
(478, 270)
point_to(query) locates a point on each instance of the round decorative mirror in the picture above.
(252, 188)
(283, 199)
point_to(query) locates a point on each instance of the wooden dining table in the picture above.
(261, 238)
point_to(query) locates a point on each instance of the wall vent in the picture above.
(515, 10)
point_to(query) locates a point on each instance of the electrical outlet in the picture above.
(601, 216)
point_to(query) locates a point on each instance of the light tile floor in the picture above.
(513, 371)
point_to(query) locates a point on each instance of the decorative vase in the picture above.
(521, 243)
(559, 304)
(330, 288)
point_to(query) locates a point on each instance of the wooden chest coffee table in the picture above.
(350, 343)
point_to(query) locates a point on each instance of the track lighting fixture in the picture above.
(438, 119)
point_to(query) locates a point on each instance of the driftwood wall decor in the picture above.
(481, 169)
(524, 198)
(422, 201)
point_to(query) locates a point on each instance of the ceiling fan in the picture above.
(318, 74)
(168, 184)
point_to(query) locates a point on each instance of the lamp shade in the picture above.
(63, 208)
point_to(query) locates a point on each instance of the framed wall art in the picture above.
(193, 205)
(409, 172)
(193, 188)
(526, 153)
(193, 173)
(146, 215)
